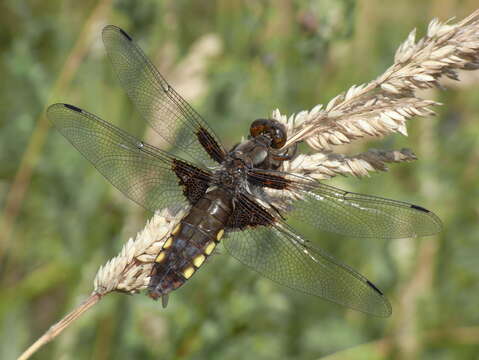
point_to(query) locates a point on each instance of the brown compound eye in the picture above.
(279, 136)
(271, 128)
(258, 127)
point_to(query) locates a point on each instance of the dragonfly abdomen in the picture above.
(191, 243)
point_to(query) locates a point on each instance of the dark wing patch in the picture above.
(420, 208)
(248, 213)
(195, 181)
(144, 173)
(278, 253)
(72, 107)
(374, 287)
(269, 180)
(125, 34)
(210, 145)
(158, 103)
(331, 209)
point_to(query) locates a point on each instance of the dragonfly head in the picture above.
(270, 128)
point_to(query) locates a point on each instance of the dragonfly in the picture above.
(235, 196)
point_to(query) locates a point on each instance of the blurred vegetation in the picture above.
(61, 220)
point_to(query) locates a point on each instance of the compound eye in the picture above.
(272, 129)
(259, 127)
(279, 136)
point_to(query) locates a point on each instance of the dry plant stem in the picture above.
(57, 329)
(130, 270)
(325, 165)
(22, 178)
(382, 106)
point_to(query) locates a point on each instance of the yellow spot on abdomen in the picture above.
(197, 261)
(188, 272)
(161, 256)
(176, 229)
(209, 248)
(168, 243)
(220, 234)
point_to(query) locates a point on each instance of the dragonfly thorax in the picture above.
(231, 174)
(253, 152)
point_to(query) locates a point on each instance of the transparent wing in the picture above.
(145, 174)
(159, 104)
(359, 215)
(331, 209)
(281, 255)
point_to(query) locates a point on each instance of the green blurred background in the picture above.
(235, 61)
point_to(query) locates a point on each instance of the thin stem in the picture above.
(57, 329)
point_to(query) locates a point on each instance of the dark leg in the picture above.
(290, 153)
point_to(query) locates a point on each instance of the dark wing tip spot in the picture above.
(74, 108)
(420, 208)
(374, 287)
(125, 34)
